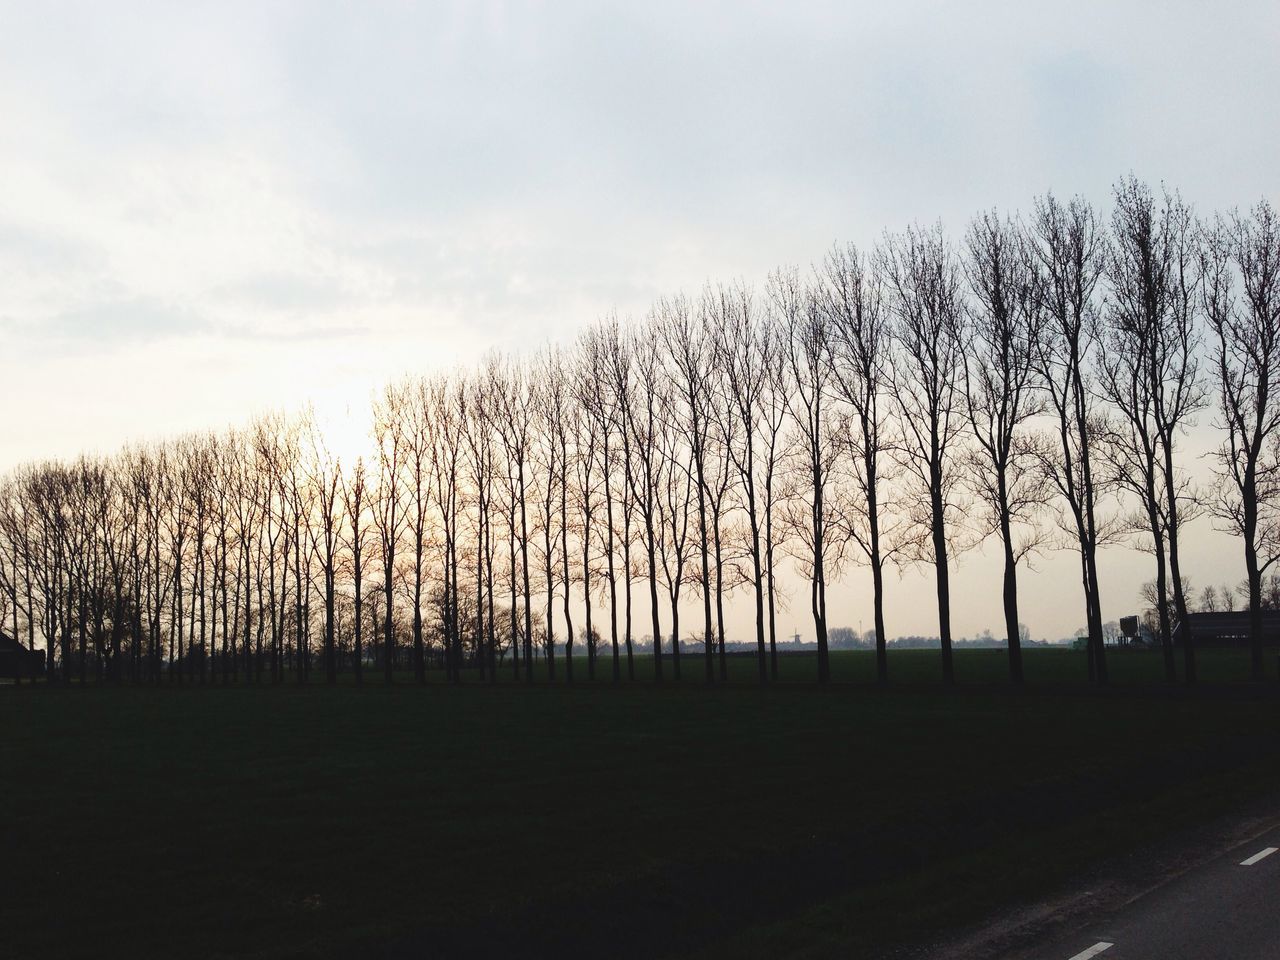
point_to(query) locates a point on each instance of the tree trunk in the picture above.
(1254, 574)
(724, 660)
(653, 597)
(1175, 568)
(943, 574)
(626, 563)
(1162, 600)
(419, 666)
(704, 551)
(768, 565)
(819, 590)
(613, 580)
(757, 568)
(528, 590)
(358, 626)
(388, 636)
(1010, 593)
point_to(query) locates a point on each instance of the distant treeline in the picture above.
(1029, 382)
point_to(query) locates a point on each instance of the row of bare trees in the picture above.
(1032, 383)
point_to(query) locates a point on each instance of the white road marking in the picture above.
(1093, 951)
(1258, 856)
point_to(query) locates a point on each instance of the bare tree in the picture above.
(1149, 374)
(1070, 251)
(388, 516)
(1002, 398)
(178, 527)
(12, 556)
(619, 402)
(444, 403)
(566, 432)
(589, 434)
(274, 457)
(515, 427)
(247, 481)
(223, 495)
(1245, 251)
(420, 472)
(295, 512)
(550, 399)
(479, 402)
(41, 506)
(853, 296)
(595, 396)
(199, 476)
(720, 473)
(926, 385)
(10, 568)
(355, 501)
(644, 423)
(744, 354)
(688, 339)
(676, 491)
(324, 478)
(806, 344)
(774, 416)
(566, 415)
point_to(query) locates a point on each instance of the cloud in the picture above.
(242, 205)
(110, 323)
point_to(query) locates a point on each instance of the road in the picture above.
(1226, 908)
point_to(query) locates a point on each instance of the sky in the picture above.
(211, 210)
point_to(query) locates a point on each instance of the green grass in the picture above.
(292, 822)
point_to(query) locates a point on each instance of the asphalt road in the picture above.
(1226, 907)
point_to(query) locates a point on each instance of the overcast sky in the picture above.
(207, 210)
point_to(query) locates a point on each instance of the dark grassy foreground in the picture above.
(633, 822)
(1041, 666)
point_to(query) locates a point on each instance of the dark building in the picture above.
(17, 661)
(1229, 628)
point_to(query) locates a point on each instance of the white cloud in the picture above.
(208, 209)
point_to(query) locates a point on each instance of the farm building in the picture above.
(17, 661)
(1228, 628)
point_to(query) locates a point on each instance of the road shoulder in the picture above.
(1106, 889)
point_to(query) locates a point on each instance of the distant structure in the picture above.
(17, 661)
(1227, 628)
(1129, 628)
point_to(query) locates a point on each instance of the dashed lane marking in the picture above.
(1261, 854)
(1093, 951)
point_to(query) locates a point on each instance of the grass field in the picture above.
(1041, 666)
(475, 821)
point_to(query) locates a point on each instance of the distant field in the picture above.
(737, 821)
(1053, 666)
(1041, 666)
